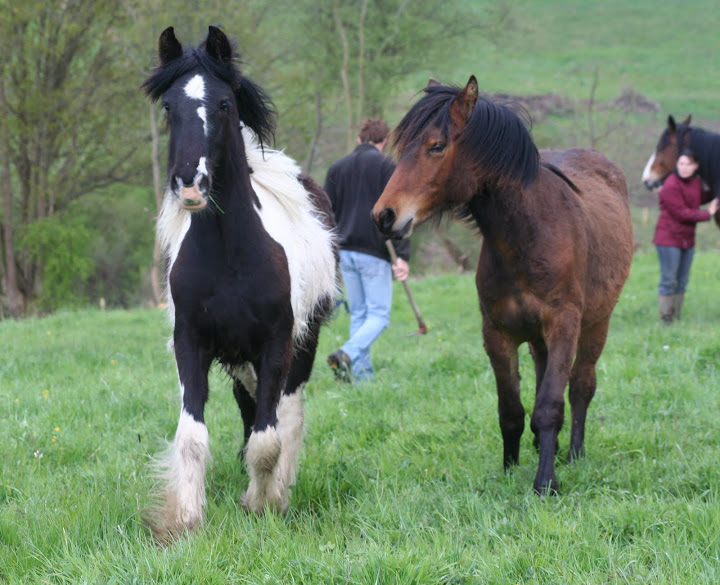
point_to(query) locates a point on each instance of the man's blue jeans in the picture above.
(368, 283)
(674, 269)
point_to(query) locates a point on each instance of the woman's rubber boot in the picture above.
(667, 308)
(677, 305)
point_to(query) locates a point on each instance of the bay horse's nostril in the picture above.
(386, 219)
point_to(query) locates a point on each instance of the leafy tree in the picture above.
(360, 51)
(60, 245)
(66, 127)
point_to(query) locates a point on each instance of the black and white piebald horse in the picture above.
(252, 274)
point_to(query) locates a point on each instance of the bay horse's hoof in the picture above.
(546, 488)
(575, 454)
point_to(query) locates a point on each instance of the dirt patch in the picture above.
(550, 104)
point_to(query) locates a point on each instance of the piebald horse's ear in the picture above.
(464, 103)
(169, 48)
(217, 45)
(686, 121)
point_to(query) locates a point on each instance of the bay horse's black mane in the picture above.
(255, 108)
(706, 148)
(495, 138)
(562, 175)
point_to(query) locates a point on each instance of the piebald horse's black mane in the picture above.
(495, 138)
(255, 108)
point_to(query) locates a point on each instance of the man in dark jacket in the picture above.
(354, 183)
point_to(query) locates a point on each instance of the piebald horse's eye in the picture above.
(437, 148)
(166, 106)
(224, 105)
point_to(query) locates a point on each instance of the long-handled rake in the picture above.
(413, 304)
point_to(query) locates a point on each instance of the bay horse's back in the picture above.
(602, 192)
(589, 169)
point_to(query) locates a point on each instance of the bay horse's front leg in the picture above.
(263, 449)
(549, 412)
(182, 468)
(503, 354)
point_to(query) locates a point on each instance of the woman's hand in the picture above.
(714, 206)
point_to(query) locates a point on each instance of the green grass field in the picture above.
(659, 48)
(400, 481)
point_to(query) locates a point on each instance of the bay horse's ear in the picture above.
(169, 48)
(686, 121)
(464, 103)
(432, 82)
(671, 124)
(218, 45)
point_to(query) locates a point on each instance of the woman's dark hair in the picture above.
(688, 153)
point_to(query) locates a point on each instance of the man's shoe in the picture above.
(341, 364)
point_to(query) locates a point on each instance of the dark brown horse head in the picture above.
(450, 144)
(425, 142)
(662, 162)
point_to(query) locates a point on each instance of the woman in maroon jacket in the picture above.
(680, 198)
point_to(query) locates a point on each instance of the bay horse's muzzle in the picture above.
(385, 221)
(651, 185)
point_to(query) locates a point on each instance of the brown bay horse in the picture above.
(556, 251)
(676, 137)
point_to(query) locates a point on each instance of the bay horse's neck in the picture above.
(502, 216)
(706, 147)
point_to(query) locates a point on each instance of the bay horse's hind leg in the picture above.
(583, 383)
(503, 354)
(539, 354)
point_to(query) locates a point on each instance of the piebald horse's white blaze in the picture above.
(271, 455)
(203, 116)
(195, 88)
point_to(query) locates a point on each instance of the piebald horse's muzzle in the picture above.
(193, 196)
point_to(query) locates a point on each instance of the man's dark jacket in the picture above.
(354, 183)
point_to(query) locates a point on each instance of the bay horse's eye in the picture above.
(437, 147)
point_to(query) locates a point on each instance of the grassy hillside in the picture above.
(400, 481)
(658, 47)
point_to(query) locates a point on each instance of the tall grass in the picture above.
(401, 480)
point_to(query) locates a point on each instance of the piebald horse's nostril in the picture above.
(386, 219)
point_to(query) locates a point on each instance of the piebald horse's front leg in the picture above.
(264, 446)
(182, 468)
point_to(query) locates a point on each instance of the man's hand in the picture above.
(401, 269)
